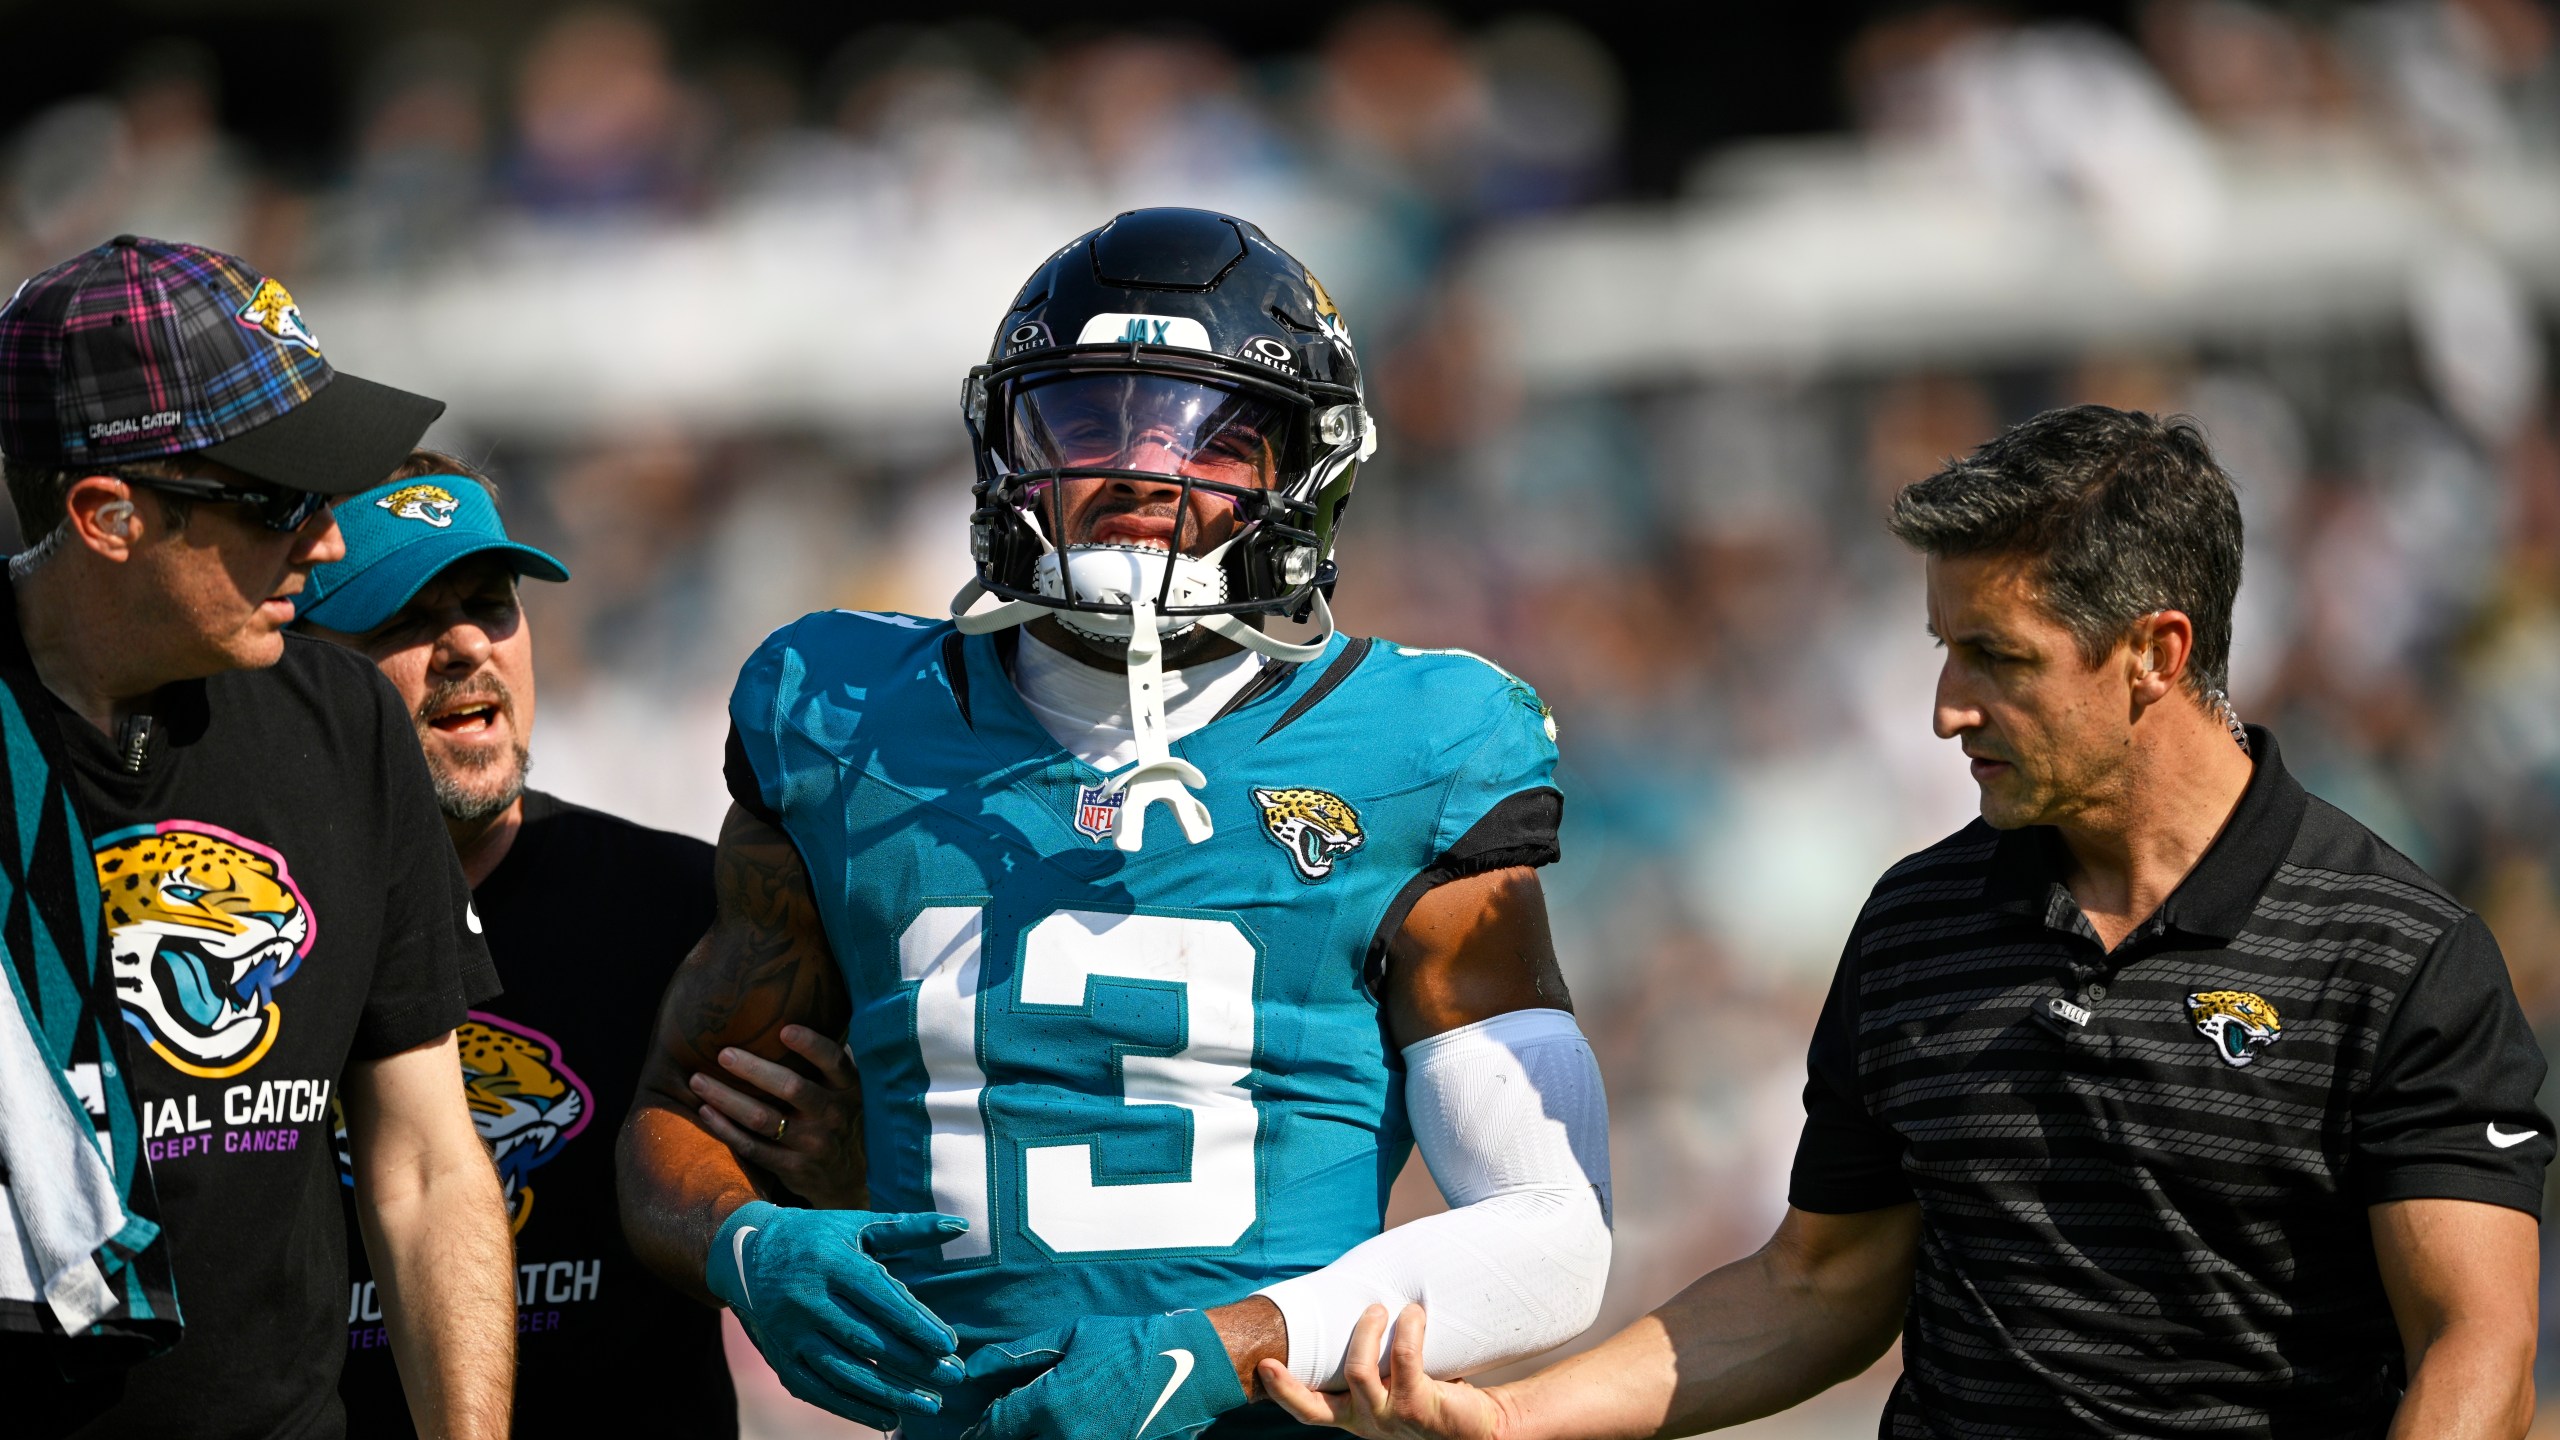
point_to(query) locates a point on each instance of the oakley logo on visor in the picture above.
(1119, 329)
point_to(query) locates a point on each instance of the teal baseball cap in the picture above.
(399, 537)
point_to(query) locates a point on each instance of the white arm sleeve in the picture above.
(1510, 1116)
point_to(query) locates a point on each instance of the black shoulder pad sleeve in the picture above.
(743, 785)
(1520, 830)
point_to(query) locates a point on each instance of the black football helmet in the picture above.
(1169, 346)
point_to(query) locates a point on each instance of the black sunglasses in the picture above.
(278, 509)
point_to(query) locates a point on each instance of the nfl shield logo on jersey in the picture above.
(1097, 810)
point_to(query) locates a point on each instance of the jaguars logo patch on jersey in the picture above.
(431, 503)
(204, 926)
(1316, 827)
(2239, 1024)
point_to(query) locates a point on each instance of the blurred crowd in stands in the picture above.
(1692, 571)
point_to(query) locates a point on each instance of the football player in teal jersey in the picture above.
(1133, 1095)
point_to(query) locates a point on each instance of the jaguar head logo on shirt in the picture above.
(431, 503)
(1316, 827)
(204, 926)
(526, 1104)
(2239, 1024)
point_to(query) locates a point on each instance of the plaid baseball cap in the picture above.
(141, 348)
(399, 537)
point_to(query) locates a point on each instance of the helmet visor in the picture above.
(1156, 424)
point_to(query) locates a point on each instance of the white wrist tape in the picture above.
(1510, 1116)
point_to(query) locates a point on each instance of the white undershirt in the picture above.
(1086, 709)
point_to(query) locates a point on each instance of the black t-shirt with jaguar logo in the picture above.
(587, 917)
(281, 899)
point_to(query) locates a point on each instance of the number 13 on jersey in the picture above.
(941, 953)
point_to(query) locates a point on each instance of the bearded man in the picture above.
(586, 915)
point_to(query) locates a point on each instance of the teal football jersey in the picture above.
(1149, 1081)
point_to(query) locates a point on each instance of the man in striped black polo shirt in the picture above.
(2163, 1100)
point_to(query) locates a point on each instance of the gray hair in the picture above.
(2125, 514)
(423, 462)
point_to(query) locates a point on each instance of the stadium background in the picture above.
(1658, 312)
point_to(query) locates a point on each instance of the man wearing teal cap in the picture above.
(586, 916)
(425, 550)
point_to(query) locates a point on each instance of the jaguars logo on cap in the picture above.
(273, 312)
(433, 504)
(1316, 827)
(2239, 1024)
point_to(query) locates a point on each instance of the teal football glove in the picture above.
(839, 1329)
(1113, 1377)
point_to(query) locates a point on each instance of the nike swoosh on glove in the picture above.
(840, 1330)
(1112, 1377)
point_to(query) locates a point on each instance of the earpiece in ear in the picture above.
(116, 518)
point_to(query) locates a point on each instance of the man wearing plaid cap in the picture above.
(288, 932)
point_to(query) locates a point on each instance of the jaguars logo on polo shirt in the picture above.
(2239, 1024)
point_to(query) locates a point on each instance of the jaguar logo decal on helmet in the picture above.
(1328, 315)
(1324, 299)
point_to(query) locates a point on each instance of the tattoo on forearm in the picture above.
(764, 963)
